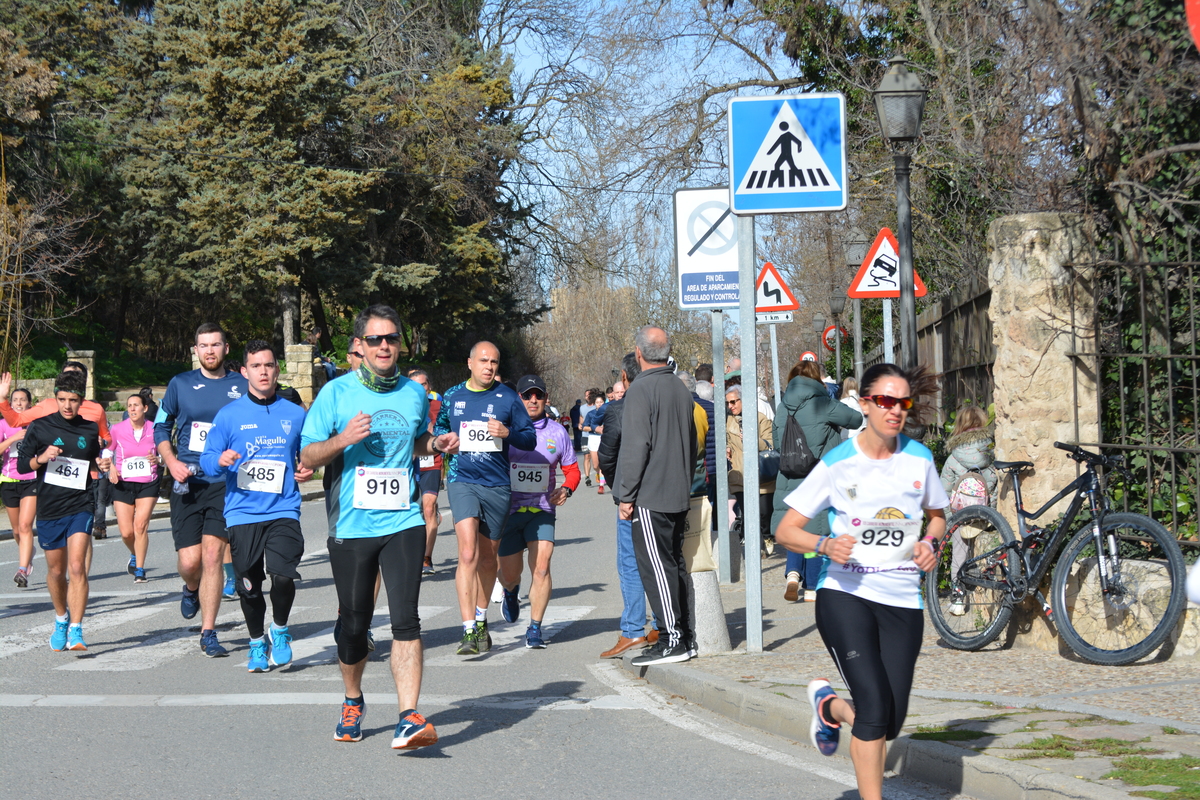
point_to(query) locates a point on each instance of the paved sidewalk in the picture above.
(997, 707)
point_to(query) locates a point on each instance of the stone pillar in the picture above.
(304, 372)
(1035, 377)
(1038, 390)
(88, 359)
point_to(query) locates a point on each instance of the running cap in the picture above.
(530, 382)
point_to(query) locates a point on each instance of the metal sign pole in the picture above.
(888, 349)
(775, 363)
(727, 571)
(858, 354)
(748, 275)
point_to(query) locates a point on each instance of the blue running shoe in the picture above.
(510, 607)
(349, 728)
(132, 563)
(75, 638)
(58, 639)
(824, 736)
(230, 590)
(281, 646)
(139, 575)
(413, 731)
(189, 604)
(533, 638)
(211, 647)
(258, 656)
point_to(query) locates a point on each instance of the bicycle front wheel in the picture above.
(968, 616)
(1145, 593)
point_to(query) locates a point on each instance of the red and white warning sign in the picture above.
(879, 275)
(771, 293)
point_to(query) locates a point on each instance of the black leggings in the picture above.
(254, 605)
(355, 562)
(875, 648)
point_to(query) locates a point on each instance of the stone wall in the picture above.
(304, 373)
(1034, 376)
(1041, 393)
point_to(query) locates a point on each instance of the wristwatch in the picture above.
(570, 491)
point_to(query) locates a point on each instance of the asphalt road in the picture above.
(144, 714)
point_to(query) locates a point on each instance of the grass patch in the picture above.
(941, 733)
(1169, 731)
(1094, 720)
(1057, 746)
(1183, 772)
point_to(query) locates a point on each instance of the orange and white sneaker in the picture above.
(413, 731)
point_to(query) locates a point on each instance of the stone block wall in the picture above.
(1035, 381)
(304, 372)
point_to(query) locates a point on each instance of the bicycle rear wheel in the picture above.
(1144, 599)
(970, 617)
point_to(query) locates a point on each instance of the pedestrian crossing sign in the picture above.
(788, 153)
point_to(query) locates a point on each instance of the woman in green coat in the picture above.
(821, 418)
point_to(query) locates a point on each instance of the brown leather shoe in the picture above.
(652, 637)
(623, 644)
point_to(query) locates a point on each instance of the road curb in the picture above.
(163, 511)
(952, 768)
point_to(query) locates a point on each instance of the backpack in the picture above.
(796, 458)
(969, 490)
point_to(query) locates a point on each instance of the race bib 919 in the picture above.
(884, 542)
(383, 489)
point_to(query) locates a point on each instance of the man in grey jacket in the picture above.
(654, 481)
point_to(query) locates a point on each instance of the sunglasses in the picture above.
(887, 401)
(732, 402)
(532, 393)
(375, 341)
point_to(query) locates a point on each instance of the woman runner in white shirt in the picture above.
(877, 487)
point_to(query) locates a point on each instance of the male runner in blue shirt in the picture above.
(488, 418)
(255, 444)
(187, 410)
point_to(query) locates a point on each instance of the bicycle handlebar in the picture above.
(1079, 454)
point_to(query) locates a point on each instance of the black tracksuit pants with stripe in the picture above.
(658, 546)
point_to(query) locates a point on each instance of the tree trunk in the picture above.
(317, 308)
(122, 311)
(287, 306)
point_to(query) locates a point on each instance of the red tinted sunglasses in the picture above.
(887, 401)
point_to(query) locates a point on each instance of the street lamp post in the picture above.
(837, 304)
(819, 328)
(900, 103)
(855, 247)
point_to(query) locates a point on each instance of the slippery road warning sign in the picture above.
(879, 274)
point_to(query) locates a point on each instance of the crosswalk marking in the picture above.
(508, 639)
(39, 635)
(321, 649)
(549, 703)
(150, 653)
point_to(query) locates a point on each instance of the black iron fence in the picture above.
(1134, 334)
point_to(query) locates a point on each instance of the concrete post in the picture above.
(88, 359)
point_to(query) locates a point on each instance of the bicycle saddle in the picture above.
(1012, 464)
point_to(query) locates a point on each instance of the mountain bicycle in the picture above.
(1115, 594)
